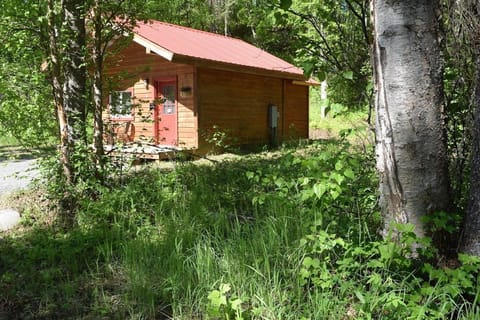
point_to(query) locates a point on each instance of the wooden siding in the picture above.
(237, 104)
(187, 116)
(128, 69)
(295, 111)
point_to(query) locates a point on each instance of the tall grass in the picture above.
(289, 235)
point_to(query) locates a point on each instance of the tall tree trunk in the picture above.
(471, 237)
(97, 57)
(55, 73)
(75, 71)
(411, 140)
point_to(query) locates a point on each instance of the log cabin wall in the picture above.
(295, 111)
(133, 70)
(237, 103)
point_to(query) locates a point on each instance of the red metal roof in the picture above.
(171, 41)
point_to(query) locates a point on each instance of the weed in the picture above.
(220, 139)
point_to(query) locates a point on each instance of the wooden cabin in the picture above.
(182, 87)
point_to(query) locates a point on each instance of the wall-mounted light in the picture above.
(186, 89)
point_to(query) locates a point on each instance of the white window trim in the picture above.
(116, 116)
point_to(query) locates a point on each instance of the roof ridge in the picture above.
(153, 21)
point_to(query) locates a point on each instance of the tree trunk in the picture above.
(97, 57)
(411, 140)
(75, 76)
(55, 72)
(471, 237)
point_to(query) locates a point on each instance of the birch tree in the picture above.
(411, 140)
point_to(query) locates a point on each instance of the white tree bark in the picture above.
(411, 141)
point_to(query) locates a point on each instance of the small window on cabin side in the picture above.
(121, 104)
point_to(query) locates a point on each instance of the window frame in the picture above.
(120, 116)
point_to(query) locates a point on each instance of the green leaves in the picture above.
(332, 182)
(348, 75)
(223, 304)
(285, 4)
(319, 189)
(26, 110)
(316, 267)
(308, 68)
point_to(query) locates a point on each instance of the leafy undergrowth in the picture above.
(353, 125)
(288, 236)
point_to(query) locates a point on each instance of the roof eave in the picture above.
(236, 67)
(153, 47)
(310, 82)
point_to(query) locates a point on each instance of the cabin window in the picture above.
(121, 104)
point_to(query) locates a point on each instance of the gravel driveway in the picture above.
(16, 174)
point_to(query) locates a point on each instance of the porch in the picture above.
(138, 150)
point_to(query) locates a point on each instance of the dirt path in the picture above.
(15, 174)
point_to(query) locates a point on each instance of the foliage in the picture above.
(284, 235)
(26, 110)
(459, 85)
(383, 280)
(223, 304)
(334, 45)
(220, 140)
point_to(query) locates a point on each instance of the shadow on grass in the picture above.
(41, 274)
(50, 273)
(53, 274)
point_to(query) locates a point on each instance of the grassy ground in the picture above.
(288, 235)
(354, 125)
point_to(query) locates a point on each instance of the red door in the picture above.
(166, 113)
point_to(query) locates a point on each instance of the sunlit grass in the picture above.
(334, 124)
(160, 245)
